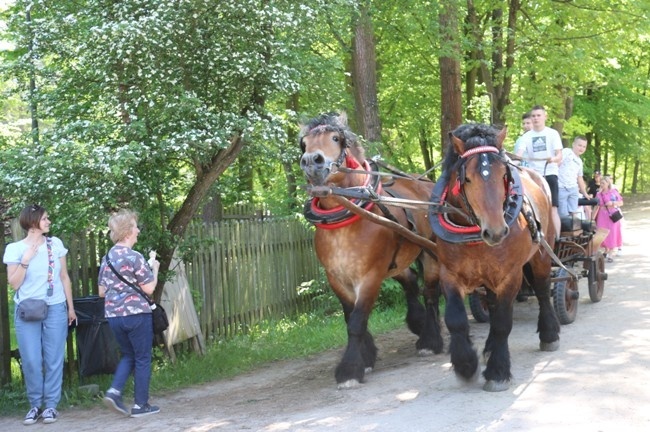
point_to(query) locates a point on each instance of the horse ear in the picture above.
(459, 145)
(501, 136)
(342, 119)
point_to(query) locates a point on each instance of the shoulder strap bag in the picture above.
(158, 314)
(32, 309)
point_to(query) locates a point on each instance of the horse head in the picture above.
(327, 143)
(479, 178)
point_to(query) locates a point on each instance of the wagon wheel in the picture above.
(565, 297)
(596, 277)
(478, 305)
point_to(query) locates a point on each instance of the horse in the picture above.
(358, 253)
(494, 239)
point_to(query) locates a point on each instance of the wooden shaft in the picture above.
(409, 235)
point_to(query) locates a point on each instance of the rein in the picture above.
(393, 172)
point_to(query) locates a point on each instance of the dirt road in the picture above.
(597, 381)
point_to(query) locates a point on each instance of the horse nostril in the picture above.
(306, 160)
(319, 159)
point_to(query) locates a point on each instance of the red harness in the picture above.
(352, 218)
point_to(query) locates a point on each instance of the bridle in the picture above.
(339, 217)
(451, 232)
(483, 153)
(344, 144)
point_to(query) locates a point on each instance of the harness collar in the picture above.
(450, 232)
(339, 217)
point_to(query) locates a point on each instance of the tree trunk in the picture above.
(212, 210)
(293, 104)
(635, 175)
(33, 107)
(498, 78)
(425, 148)
(451, 98)
(177, 226)
(364, 76)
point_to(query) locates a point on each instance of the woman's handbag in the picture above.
(159, 318)
(616, 215)
(32, 310)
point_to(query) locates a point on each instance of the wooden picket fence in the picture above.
(239, 272)
(247, 271)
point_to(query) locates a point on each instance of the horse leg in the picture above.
(463, 355)
(548, 326)
(361, 352)
(415, 312)
(431, 337)
(497, 372)
(423, 321)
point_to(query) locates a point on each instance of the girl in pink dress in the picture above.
(609, 200)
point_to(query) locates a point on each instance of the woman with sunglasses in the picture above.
(37, 269)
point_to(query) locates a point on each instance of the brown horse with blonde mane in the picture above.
(357, 253)
(493, 240)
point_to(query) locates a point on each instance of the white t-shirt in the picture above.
(542, 145)
(570, 168)
(35, 284)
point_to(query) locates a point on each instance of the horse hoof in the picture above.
(425, 352)
(473, 378)
(496, 386)
(349, 384)
(368, 369)
(549, 346)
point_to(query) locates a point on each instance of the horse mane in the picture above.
(334, 122)
(473, 135)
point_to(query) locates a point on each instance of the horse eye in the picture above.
(336, 138)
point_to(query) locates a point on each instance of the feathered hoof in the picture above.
(367, 370)
(496, 386)
(473, 378)
(549, 346)
(349, 384)
(425, 352)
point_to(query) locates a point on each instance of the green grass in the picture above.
(297, 337)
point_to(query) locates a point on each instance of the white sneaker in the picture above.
(32, 416)
(50, 415)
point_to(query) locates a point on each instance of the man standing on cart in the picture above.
(570, 181)
(542, 147)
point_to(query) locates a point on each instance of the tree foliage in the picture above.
(148, 103)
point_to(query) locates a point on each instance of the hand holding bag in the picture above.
(158, 315)
(32, 309)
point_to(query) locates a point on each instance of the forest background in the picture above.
(180, 108)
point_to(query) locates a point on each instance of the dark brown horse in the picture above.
(357, 253)
(507, 214)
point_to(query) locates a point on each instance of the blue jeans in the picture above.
(42, 350)
(134, 334)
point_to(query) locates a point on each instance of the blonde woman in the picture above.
(128, 313)
(608, 201)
